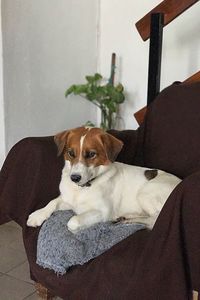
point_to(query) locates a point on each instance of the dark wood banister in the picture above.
(170, 8)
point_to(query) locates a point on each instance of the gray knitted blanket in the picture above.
(58, 248)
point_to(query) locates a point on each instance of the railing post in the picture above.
(155, 53)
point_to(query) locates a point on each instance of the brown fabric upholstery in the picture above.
(29, 178)
(172, 130)
(132, 141)
(162, 264)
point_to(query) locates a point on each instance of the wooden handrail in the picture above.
(170, 8)
(140, 114)
(193, 78)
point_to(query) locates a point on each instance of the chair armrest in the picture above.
(29, 178)
(128, 153)
(190, 217)
(174, 243)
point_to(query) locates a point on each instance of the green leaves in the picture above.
(77, 89)
(93, 79)
(107, 97)
(116, 93)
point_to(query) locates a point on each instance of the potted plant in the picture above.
(106, 97)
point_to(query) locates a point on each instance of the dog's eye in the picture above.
(90, 154)
(71, 153)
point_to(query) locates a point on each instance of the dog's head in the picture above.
(87, 152)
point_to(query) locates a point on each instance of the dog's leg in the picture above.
(39, 216)
(149, 221)
(85, 220)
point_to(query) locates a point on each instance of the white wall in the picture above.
(50, 44)
(47, 46)
(181, 49)
(2, 123)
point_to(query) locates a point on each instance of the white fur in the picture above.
(119, 190)
(81, 145)
(82, 170)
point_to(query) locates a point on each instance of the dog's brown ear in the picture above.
(112, 146)
(61, 140)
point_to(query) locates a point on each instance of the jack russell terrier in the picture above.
(98, 189)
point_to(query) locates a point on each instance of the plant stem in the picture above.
(104, 118)
(91, 101)
(109, 119)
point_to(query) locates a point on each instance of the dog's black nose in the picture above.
(75, 177)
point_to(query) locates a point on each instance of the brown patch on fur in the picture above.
(105, 145)
(150, 174)
(60, 140)
(69, 139)
(112, 146)
(93, 142)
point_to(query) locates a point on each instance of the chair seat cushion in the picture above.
(58, 248)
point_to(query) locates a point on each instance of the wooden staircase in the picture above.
(171, 10)
(150, 26)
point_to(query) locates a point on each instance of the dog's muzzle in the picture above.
(75, 178)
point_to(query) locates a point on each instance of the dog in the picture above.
(98, 189)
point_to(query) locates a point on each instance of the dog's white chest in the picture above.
(80, 199)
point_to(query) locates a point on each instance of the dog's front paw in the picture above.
(74, 224)
(36, 218)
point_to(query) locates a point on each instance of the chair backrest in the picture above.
(171, 140)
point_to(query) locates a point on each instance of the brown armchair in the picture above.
(161, 264)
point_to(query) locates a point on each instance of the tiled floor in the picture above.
(15, 283)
